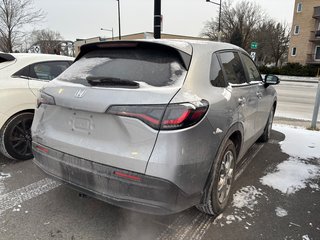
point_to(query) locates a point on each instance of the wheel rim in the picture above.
(270, 123)
(20, 138)
(225, 176)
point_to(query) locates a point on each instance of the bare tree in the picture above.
(49, 41)
(273, 38)
(279, 41)
(14, 15)
(242, 18)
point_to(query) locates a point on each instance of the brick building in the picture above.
(305, 34)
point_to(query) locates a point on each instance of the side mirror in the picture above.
(271, 80)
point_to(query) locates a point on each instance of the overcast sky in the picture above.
(84, 18)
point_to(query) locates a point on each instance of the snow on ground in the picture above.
(303, 166)
(2, 177)
(246, 197)
(305, 237)
(244, 202)
(299, 142)
(280, 212)
(290, 176)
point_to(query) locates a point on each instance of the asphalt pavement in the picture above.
(35, 207)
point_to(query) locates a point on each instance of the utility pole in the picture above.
(157, 19)
(119, 19)
(316, 106)
(219, 26)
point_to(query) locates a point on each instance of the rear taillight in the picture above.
(164, 117)
(45, 98)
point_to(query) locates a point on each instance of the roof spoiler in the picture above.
(186, 58)
(5, 57)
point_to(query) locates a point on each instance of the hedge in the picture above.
(291, 69)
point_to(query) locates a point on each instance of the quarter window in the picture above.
(233, 68)
(216, 74)
(252, 71)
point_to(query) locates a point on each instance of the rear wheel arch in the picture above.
(235, 135)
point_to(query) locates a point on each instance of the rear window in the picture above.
(146, 66)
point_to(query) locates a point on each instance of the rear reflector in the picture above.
(165, 117)
(127, 176)
(42, 149)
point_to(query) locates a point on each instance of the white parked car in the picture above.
(21, 77)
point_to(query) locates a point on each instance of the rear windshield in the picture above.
(146, 66)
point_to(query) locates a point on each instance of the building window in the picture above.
(317, 53)
(296, 30)
(294, 51)
(299, 7)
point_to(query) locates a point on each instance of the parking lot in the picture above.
(35, 207)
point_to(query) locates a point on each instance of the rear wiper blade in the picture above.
(111, 82)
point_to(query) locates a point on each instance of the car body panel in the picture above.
(11, 87)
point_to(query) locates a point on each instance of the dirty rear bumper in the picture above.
(142, 193)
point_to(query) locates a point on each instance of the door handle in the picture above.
(242, 101)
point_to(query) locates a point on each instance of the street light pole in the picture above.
(110, 30)
(119, 19)
(157, 19)
(219, 26)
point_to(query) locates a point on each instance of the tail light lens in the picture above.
(164, 117)
(45, 98)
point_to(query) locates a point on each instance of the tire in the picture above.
(267, 129)
(15, 137)
(217, 193)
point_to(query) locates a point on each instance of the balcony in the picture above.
(315, 36)
(313, 59)
(316, 13)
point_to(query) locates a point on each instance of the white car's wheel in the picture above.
(15, 137)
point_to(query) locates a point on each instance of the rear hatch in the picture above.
(107, 107)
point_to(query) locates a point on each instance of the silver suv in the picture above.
(156, 126)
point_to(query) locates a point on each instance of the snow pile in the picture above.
(305, 237)
(2, 188)
(299, 142)
(280, 212)
(246, 197)
(2, 177)
(300, 169)
(291, 176)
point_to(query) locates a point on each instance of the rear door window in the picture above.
(146, 66)
(233, 68)
(251, 69)
(43, 70)
(47, 70)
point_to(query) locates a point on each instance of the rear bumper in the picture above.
(143, 193)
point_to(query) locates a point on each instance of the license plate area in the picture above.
(81, 122)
